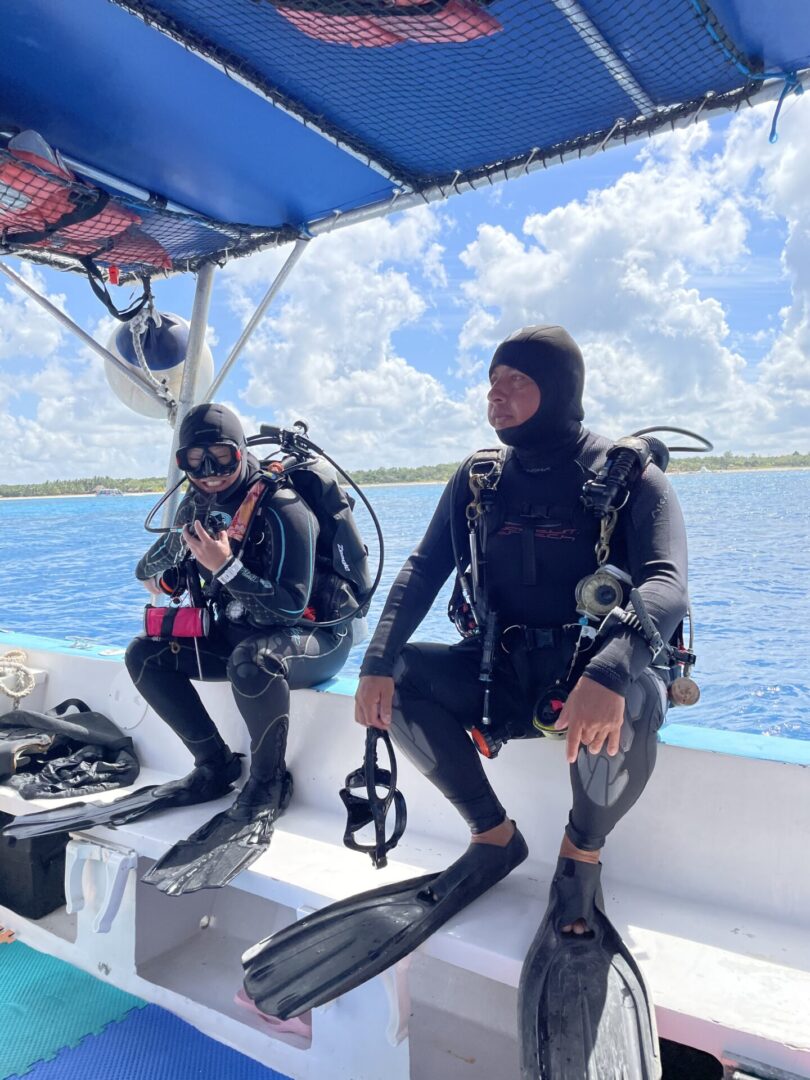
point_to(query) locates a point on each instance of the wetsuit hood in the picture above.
(551, 357)
(211, 423)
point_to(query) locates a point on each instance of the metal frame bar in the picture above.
(257, 86)
(605, 53)
(623, 132)
(186, 396)
(298, 250)
(196, 342)
(83, 336)
(90, 172)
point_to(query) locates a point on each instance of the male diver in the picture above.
(550, 672)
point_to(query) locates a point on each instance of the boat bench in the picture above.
(719, 918)
(724, 978)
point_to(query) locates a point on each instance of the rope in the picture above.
(138, 327)
(790, 78)
(14, 662)
(793, 85)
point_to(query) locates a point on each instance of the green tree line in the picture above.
(87, 486)
(727, 462)
(418, 474)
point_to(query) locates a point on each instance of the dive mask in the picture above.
(200, 462)
(372, 809)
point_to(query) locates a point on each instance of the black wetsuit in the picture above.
(542, 543)
(255, 643)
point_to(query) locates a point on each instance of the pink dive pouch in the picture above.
(161, 623)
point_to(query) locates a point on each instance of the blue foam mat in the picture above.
(47, 1005)
(151, 1044)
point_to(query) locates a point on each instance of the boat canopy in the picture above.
(174, 133)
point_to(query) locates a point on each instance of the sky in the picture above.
(681, 265)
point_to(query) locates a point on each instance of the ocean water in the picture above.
(66, 571)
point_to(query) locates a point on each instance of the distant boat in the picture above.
(109, 491)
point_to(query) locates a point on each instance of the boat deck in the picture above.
(57, 1023)
(717, 916)
(120, 1038)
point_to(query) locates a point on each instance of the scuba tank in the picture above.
(340, 552)
(343, 587)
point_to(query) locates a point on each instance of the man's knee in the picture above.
(408, 716)
(606, 786)
(646, 703)
(412, 674)
(408, 682)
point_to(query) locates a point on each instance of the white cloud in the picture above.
(636, 270)
(784, 374)
(620, 270)
(328, 355)
(77, 427)
(26, 329)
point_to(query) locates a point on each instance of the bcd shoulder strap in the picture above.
(242, 520)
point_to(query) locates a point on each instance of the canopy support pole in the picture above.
(605, 53)
(186, 396)
(298, 250)
(256, 84)
(99, 176)
(65, 320)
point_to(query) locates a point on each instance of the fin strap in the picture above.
(577, 891)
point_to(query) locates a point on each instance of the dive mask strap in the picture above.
(373, 808)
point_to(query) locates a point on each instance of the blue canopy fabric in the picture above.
(252, 119)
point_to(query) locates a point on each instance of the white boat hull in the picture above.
(705, 880)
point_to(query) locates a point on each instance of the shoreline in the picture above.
(413, 483)
(725, 472)
(76, 495)
(670, 472)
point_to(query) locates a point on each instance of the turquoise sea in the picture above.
(66, 571)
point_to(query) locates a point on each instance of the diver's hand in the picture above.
(151, 586)
(372, 702)
(212, 552)
(592, 715)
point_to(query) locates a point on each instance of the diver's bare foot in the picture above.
(500, 835)
(6, 936)
(570, 851)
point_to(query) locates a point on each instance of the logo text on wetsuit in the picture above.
(541, 532)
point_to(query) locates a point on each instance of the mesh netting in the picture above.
(433, 91)
(49, 215)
